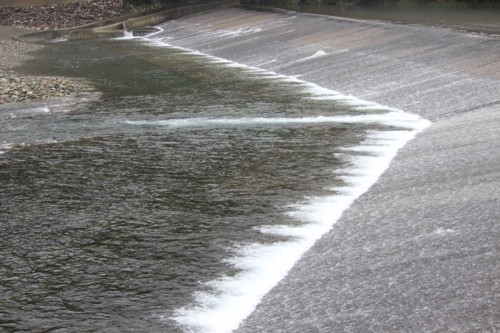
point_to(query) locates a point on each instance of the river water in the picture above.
(177, 194)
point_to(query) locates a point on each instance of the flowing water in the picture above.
(483, 20)
(178, 194)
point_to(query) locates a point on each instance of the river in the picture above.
(213, 155)
(118, 207)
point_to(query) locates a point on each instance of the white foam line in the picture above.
(262, 266)
(268, 62)
(233, 298)
(399, 119)
(238, 32)
(159, 30)
(318, 54)
(129, 35)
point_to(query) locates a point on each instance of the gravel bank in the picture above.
(15, 88)
(19, 88)
(61, 15)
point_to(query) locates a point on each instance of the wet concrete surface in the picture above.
(479, 20)
(429, 71)
(419, 251)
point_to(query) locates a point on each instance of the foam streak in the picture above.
(399, 119)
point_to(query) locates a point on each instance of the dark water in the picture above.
(111, 219)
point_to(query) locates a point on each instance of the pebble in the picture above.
(16, 88)
(63, 15)
(20, 88)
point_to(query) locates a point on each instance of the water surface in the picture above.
(117, 208)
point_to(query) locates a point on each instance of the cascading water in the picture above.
(230, 299)
(200, 176)
(203, 170)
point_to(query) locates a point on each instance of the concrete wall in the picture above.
(137, 23)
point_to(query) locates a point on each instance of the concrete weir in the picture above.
(137, 24)
(141, 25)
(419, 251)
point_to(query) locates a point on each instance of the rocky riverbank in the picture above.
(60, 16)
(15, 88)
(19, 20)
(20, 88)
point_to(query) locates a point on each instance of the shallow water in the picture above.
(118, 208)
